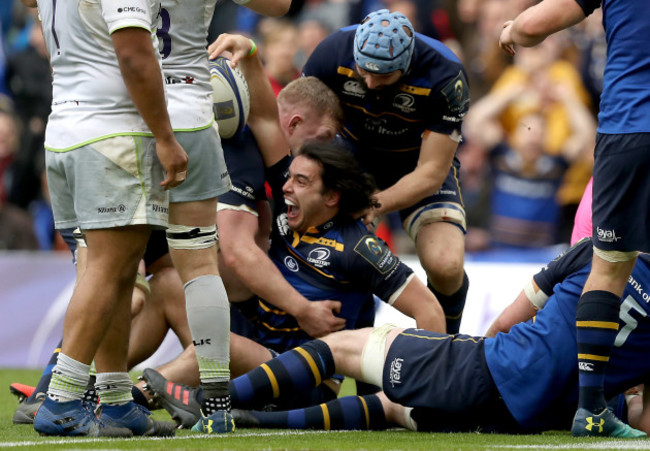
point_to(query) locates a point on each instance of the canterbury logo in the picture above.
(590, 424)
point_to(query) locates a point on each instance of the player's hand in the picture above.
(174, 160)
(505, 40)
(370, 217)
(234, 46)
(317, 318)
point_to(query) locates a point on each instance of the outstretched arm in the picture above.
(273, 8)
(538, 22)
(263, 117)
(519, 311)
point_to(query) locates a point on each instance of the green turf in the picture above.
(12, 436)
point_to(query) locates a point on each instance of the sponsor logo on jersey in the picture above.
(318, 257)
(131, 9)
(396, 371)
(375, 253)
(404, 102)
(451, 118)
(291, 263)
(282, 222)
(608, 236)
(636, 286)
(354, 88)
(379, 126)
(243, 192)
(188, 79)
(374, 246)
(457, 94)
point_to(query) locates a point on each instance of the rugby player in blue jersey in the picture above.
(522, 381)
(317, 245)
(621, 189)
(323, 252)
(404, 97)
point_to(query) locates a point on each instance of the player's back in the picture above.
(535, 366)
(182, 35)
(90, 98)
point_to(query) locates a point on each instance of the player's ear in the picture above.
(332, 198)
(294, 122)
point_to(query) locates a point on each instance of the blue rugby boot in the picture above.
(136, 418)
(73, 418)
(605, 424)
(219, 422)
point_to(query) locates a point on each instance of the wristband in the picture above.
(253, 50)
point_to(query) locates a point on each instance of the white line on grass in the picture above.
(70, 440)
(610, 444)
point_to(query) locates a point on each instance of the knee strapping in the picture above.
(191, 237)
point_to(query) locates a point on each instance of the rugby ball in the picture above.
(230, 97)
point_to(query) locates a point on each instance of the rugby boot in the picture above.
(178, 399)
(136, 418)
(73, 419)
(26, 410)
(605, 424)
(21, 391)
(220, 422)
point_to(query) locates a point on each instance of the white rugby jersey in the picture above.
(182, 39)
(90, 100)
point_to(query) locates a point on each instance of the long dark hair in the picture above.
(341, 172)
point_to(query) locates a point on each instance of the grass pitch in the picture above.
(12, 436)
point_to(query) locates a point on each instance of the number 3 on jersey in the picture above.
(163, 33)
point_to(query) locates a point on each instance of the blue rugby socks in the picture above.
(348, 413)
(300, 369)
(453, 304)
(597, 326)
(46, 376)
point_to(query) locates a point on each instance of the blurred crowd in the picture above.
(528, 139)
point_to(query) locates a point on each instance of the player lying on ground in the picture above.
(521, 381)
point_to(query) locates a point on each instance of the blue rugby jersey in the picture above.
(339, 260)
(535, 366)
(432, 95)
(625, 100)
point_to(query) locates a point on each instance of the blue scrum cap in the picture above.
(384, 42)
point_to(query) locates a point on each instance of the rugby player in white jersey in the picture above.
(104, 176)
(192, 233)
